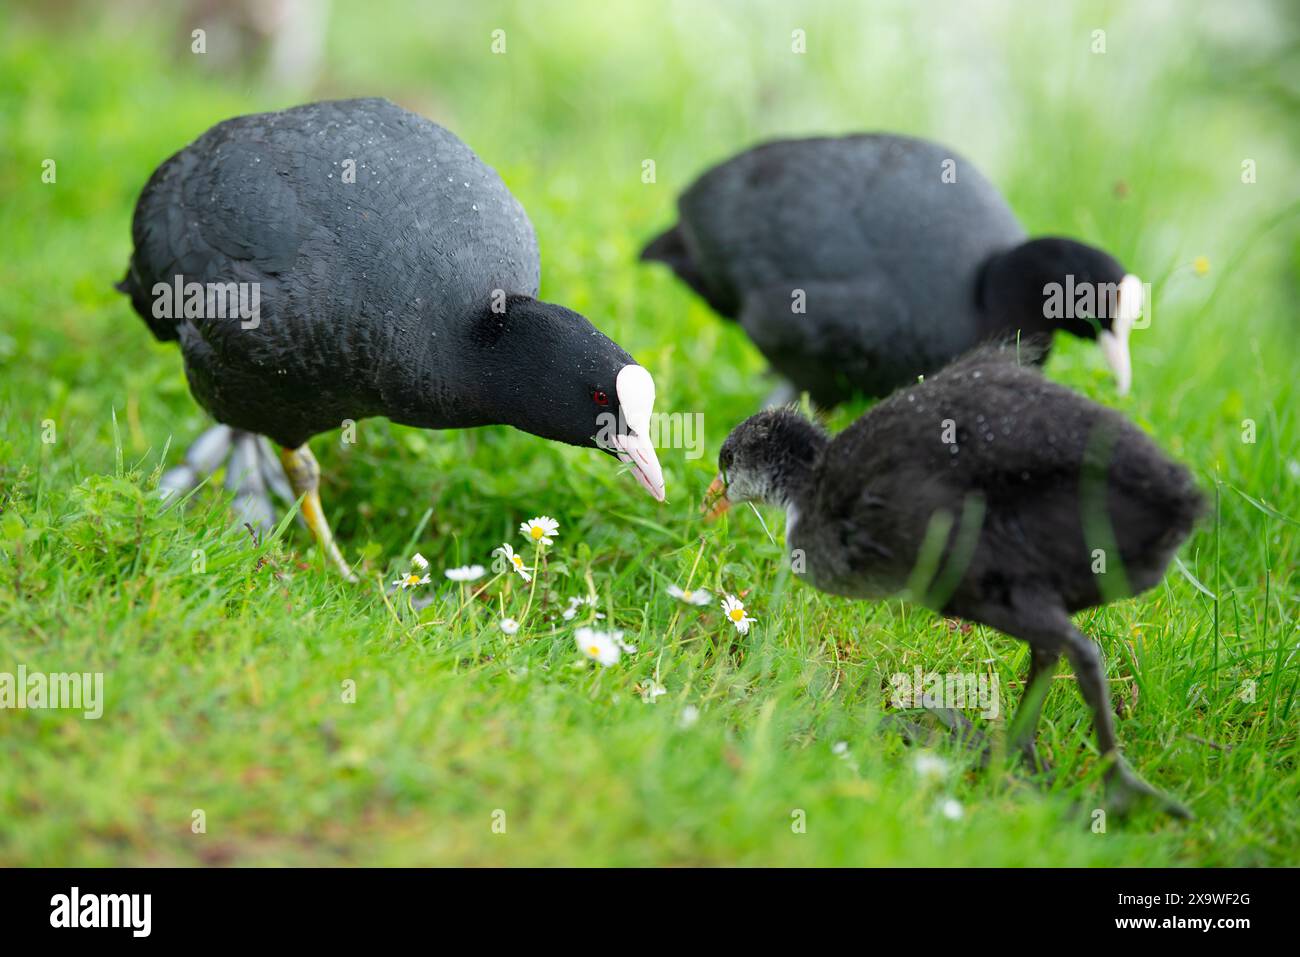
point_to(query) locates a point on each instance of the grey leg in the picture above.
(1024, 725)
(273, 472)
(253, 472)
(1123, 786)
(244, 479)
(1038, 619)
(202, 458)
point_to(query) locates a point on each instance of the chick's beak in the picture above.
(715, 499)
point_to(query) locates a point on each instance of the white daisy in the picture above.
(840, 749)
(952, 809)
(598, 646)
(651, 690)
(696, 597)
(540, 529)
(509, 626)
(466, 573)
(735, 611)
(516, 561)
(410, 580)
(690, 714)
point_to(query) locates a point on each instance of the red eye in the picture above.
(600, 398)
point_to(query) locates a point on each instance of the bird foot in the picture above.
(949, 726)
(253, 474)
(963, 732)
(957, 729)
(1125, 791)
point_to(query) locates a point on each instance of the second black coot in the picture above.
(858, 263)
(987, 493)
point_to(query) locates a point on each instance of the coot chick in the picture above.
(858, 263)
(391, 272)
(986, 493)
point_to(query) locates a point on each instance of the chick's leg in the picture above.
(1042, 662)
(304, 478)
(1123, 785)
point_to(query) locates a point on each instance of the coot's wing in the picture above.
(216, 212)
(782, 209)
(369, 235)
(907, 214)
(358, 220)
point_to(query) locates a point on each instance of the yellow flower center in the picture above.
(737, 614)
(519, 562)
(593, 650)
(686, 595)
(412, 579)
(537, 532)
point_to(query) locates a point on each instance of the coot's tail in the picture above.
(131, 285)
(667, 247)
(670, 247)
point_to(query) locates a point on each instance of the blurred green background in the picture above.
(224, 687)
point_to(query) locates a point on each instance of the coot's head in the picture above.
(767, 458)
(1048, 285)
(547, 370)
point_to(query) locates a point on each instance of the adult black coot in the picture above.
(987, 493)
(349, 259)
(857, 264)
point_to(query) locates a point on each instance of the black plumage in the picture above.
(858, 263)
(1035, 503)
(397, 276)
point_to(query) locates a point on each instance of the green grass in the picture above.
(225, 687)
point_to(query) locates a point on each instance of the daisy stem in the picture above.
(379, 581)
(677, 612)
(698, 555)
(532, 587)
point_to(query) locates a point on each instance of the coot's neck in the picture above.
(517, 361)
(1010, 297)
(479, 368)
